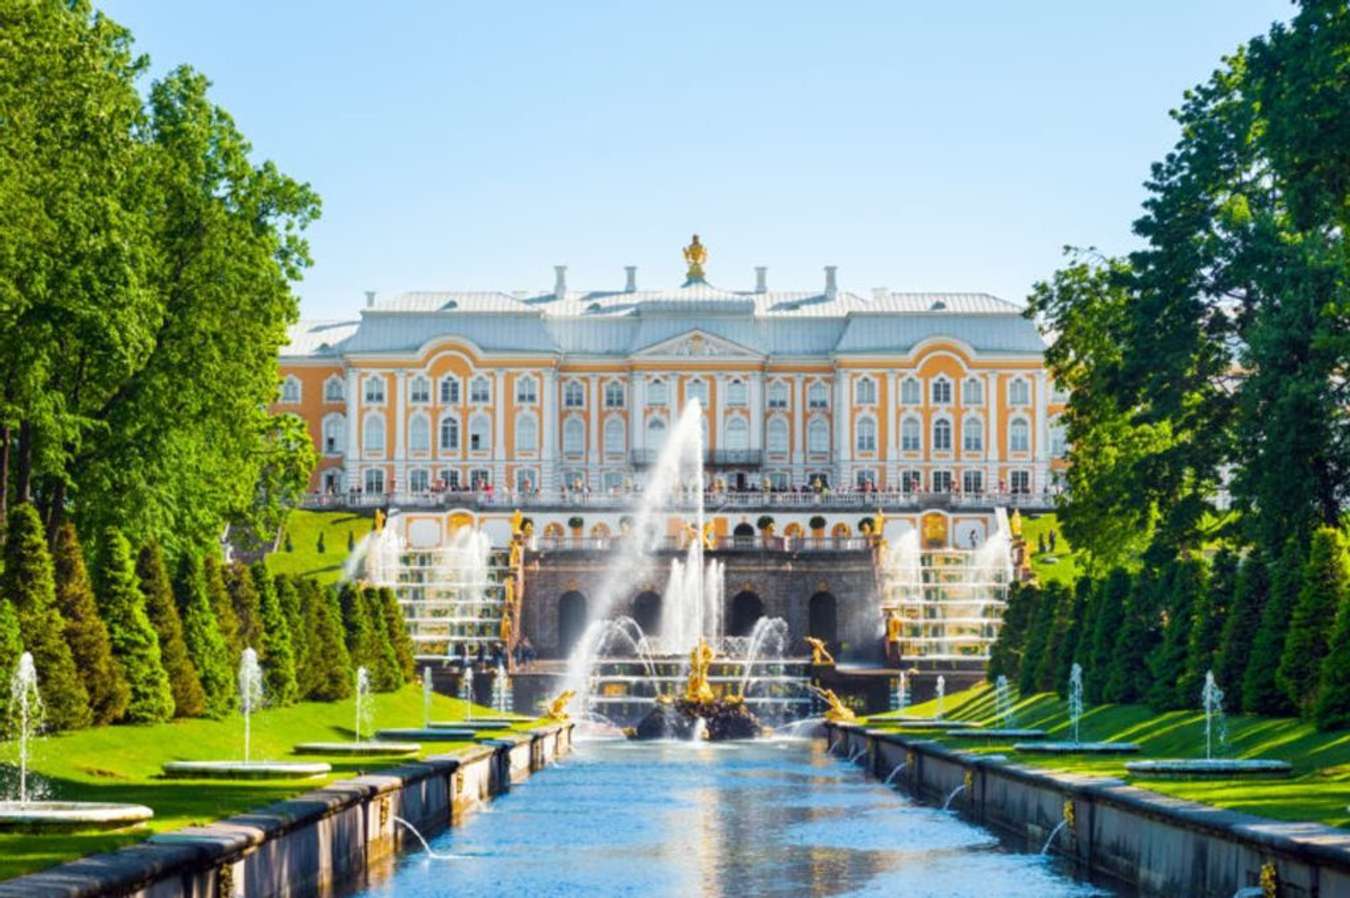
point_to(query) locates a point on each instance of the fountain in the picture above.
(699, 713)
(466, 691)
(363, 722)
(30, 813)
(940, 698)
(1216, 733)
(895, 771)
(1004, 717)
(251, 699)
(1076, 745)
(501, 690)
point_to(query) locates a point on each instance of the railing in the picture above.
(717, 458)
(722, 544)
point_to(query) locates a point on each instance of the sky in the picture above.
(917, 146)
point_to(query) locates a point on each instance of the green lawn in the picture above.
(1319, 789)
(1059, 565)
(122, 763)
(305, 558)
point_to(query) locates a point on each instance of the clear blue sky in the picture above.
(919, 146)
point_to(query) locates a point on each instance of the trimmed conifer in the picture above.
(222, 607)
(1127, 676)
(357, 634)
(326, 674)
(1239, 628)
(134, 643)
(1059, 599)
(11, 647)
(1319, 601)
(351, 542)
(1167, 662)
(275, 650)
(1261, 694)
(86, 633)
(205, 643)
(320, 546)
(1005, 655)
(160, 607)
(385, 672)
(1037, 636)
(1332, 710)
(247, 604)
(398, 634)
(1207, 620)
(28, 582)
(288, 597)
(1111, 604)
(1077, 608)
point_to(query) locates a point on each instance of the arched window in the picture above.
(737, 393)
(419, 434)
(817, 396)
(910, 394)
(911, 435)
(972, 435)
(865, 392)
(942, 391)
(867, 435)
(419, 390)
(818, 436)
(736, 436)
(942, 435)
(1019, 435)
(574, 394)
(375, 390)
(450, 434)
(1059, 443)
(374, 480)
(290, 389)
(527, 391)
(778, 395)
(776, 436)
(656, 434)
(480, 433)
(418, 480)
(372, 437)
(1019, 392)
(574, 436)
(614, 394)
(614, 436)
(334, 390)
(527, 434)
(480, 390)
(335, 434)
(450, 390)
(972, 391)
(696, 389)
(658, 392)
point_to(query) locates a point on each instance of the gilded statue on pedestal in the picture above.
(695, 254)
(700, 659)
(837, 711)
(557, 709)
(819, 653)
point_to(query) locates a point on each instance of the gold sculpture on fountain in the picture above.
(837, 712)
(819, 653)
(1015, 523)
(517, 520)
(700, 659)
(695, 254)
(557, 709)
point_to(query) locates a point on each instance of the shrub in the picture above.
(206, 645)
(1127, 678)
(1212, 609)
(817, 522)
(134, 642)
(278, 657)
(351, 542)
(1037, 636)
(1332, 710)
(1113, 597)
(188, 698)
(288, 597)
(575, 522)
(320, 547)
(1058, 600)
(290, 546)
(1261, 694)
(1005, 656)
(222, 606)
(398, 634)
(86, 633)
(1319, 600)
(246, 603)
(325, 674)
(378, 656)
(1077, 633)
(11, 647)
(1167, 662)
(765, 522)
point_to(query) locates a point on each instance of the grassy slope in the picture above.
(122, 763)
(304, 528)
(1058, 565)
(1319, 789)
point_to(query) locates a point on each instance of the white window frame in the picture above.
(483, 396)
(940, 390)
(1023, 426)
(419, 390)
(373, 389)
(480, 425)
(453, 445)
(574, 394)
(972, 482)
(615, 425)
(972, 434)
(373, 424)
(865, 391)
(1019, 385)
(947, 429)
(527, 420)
(865, 438)
(334, 428)
(777, 425)
(334, 389)
(415, 422)
(412, 480)
(527, 390)
(450, 390)
(779, 395)
(738, 393)
(739, 425)
(614, 394)
(291, 390)
(911, 434)
(972, 391)
(911, 391)
(376, 487)
(574, 448)
(658, 392)
(818, 396)
(813, 427)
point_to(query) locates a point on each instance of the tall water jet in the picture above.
(250, 694)
(941, 697)
(466, 691)
(1216, 726)
(901, 697)
(501, 690)
(26, 713)
(1003, 703)
(426, 697)
(1075, 700)
(364, 715)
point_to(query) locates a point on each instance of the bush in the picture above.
(1167, 663)
(134, 642)
(1213, 607)
(1111, 601)
(1058, 600)
(246, 603)
(351, 542)
(275, 651)
(326, 671)
(188, 698)
(222, 607)
(1239, 628)
(1319, 600)
(379, 656)
(11, 647)
(1261, 694)
(866, 526)
(765, 522)
(575, 522)
(86, 633)
(206, 645)
(817, 522)
(1076, 624)
(290, 546)
(320, 547)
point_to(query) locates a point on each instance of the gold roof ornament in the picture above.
(695, 255)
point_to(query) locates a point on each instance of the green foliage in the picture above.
(1127, 676)
(319, 547)
(28, 583)
(1261, 694)
(1319, 599)
(1079, 605)
(274, 648)
(135, 646)
(765, 522)
(1186, 582)
(289, 546)
(376, 652)
(246, 603)
(1005, 656)
(351, 542)
(201, 632)
(326, 671)
(1212, 608)
(1112, 599)
(1239, 628)
(1332, 709)
(288, 597)
(576, 522)
(11, 647)
(397, 630)
(817, 522)
(86, 633)
(1038, 635)
(188, 698)
(222, 607)
(1058, 601)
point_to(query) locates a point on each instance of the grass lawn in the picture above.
(304, 528)
(1319, 789)
(1059, 565)
(122, 763)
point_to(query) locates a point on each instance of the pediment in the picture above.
(699, 344)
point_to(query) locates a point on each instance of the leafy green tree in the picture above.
(1005, 656)
(1332, 708)
(277, 654)
(1319, 600)
(1167, 662)
(135, 646)
(160, 607)
(288, 597)
(205, 643)
(1212, 608)
(1037, 637)
(11, 647)
(399, 639)
(326, 674)
(1127, 677)
(379, 655)
(28, 582)
(246, 603)
(1261, 694)
(222, 607)
(86, 633)
(1239, 628)
(1111, 605)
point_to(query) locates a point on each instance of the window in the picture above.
(375, 390)
(449, 434)
(776, 436)
(480, 479)
(818, 436)
(418, 480)
(658, 393)
(865, 392)
(866, 479)
(911, 481)
(374, 480)
(817, 396)
(972, 392)
(738, 393)
(1019, 436)
(972, 435)
(910, 394)
(1059, 443)
(867, 435)
(778, 480)
(972, 482)
(614, 394)
(480, 433)
(656, 434)
(574, 395)
(419, 434)
(574, 436)
(525, 480)
(611, 482)
(527, 434)
(450, 390)
(290, 389)
(527, 391)
(614, 436)
(333, 390)
(1019, 392)
(1020, 482)
(574, 480)
(372, 438)
(334, 434)
(942, 435)
(736, 437)
(942, 391)
(942, 481)
(778, 395)
(450, 478)
(696, 389)
(911, 435)
(419, 390)
(480, 390)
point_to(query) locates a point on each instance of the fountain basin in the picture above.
(471, 724)
(1216, 768)
(67, 816)
(934, 723)
(246, 770)
(432, 734)
(359, 749)
(1005, 733)
(1077, 748)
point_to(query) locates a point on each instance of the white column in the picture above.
(499, 430)
(891, 409)
(843, 448)
(716, 406)
(1042, 420)
(548, 424)
(400, 429)
(593, 450)
(353, 427)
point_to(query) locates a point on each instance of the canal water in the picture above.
(767, 818)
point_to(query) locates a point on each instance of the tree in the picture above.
(135, 646)
(1261, 694)
(1076, 624)
(222, 607)
(11, 647)
(1332, 709)
(1319, 599)
(188, 698)
(378, 655)
(1111, 604)
(356, 625)
(205, 643)
(28, 583)
(1239, 628)
(288, 597)
(320, 546)
(1212, 609)
(1005, 656)
(1167, 662)
(1127, 676)
(276, 652)
(1037, 637)
(246, 603)
(397, 629)
(1059, 600)
(86, 633)
(326, 674)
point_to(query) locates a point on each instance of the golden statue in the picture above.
(516, 521)
(1015, 523)
(504, 631)
(837, 712)
(819, 653)
(510, 590)
(557, 709)
(894, 626)
(517, 554)
(879, 524)
(695, 254)
(709, 537)
(379, 520)
(700, 659)
(527, 530)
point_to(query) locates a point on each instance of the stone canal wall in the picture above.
(310, 844)
(1157, 845)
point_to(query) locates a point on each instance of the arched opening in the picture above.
(823, 619)
(743, 535)
(571, 621)
(746, 608)
(647, 611)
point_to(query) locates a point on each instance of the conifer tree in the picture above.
(320, 546)
(188, 698)
(11, 647)
(1167, 662)
(1239, 628)
(275, 649)
(1332, 710)
(1078, 607)
(222, 607)
(1261, 694)
(1127, 676)
(1037, 636)
(1111, 604)
(326, 674)
(246, 603)
(86, 632)
(351, 542)
(1211, 611)
(134, 643)
(205, 643)
(1059, 599)
(1319, 601)
(357, 632)
(385, 672)
(288, 597)
(28, 583)
(398, 635)
(1005, 656)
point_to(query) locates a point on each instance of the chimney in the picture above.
(631, 285)
(831, 287)
(761, 279)
(370, 299)
(560, 281)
